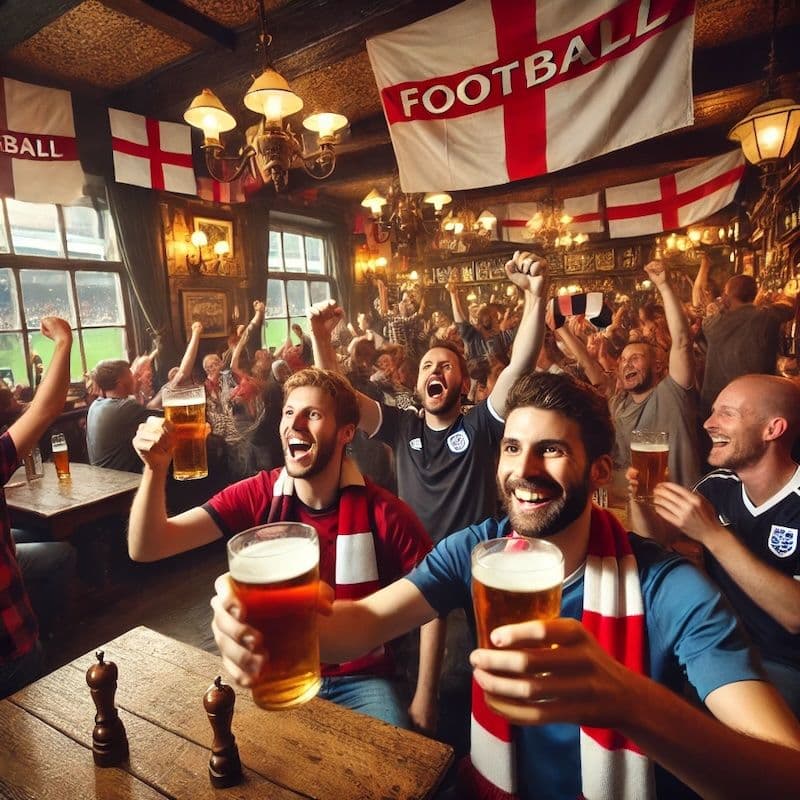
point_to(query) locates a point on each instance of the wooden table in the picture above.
(319, 750)
(59, 507)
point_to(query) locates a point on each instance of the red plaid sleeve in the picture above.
(18, 629)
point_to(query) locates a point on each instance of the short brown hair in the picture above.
(573, 399)
(107, 372)
(446, 344)
(334, 385)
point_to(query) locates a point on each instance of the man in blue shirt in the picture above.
(555, 682)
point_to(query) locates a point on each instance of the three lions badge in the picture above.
(782, 541)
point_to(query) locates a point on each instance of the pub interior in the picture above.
(166, 192)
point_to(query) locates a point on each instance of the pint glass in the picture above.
(186, 410)
(275, 573)
(649, 455)
(60, 456)
(515, 580)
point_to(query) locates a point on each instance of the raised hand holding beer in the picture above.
(154, 443)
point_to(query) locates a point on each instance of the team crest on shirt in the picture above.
(415, 444)
(782, 541)
(458, 442)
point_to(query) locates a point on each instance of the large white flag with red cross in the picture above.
(38, 149)
(221, 191)
(676, 200)
(151, 153)
(587, 216)
(513, 222)
(492, 91)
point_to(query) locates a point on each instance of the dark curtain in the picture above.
(343, 268)
(255, 238)
(136, 215)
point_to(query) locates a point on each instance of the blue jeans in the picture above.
(381, 698)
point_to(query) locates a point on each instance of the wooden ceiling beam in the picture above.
(178, 20)
(18, 22)
(308, 35)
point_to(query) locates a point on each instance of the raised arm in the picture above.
(323, 318)
(455, 300)
(151, 534)
(186, 366)
(48, 402)
(681, 354)
(590, 365)
(528, 272)
(701, 294)
(255, 324)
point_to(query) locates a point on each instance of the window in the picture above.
(300, 274)
(49, 267)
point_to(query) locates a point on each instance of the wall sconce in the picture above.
(199, 240)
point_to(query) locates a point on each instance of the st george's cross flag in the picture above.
(150, 153)
(38, 149)
(676, 200)
(221, 191)
(513, 221)
(527, 87)
(587, 216)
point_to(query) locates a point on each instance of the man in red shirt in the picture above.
(321, 487)
(20, 651)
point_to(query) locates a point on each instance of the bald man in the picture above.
(746, 515)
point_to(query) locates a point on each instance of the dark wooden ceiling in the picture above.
(153, 56)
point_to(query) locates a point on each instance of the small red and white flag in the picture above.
(221, 192)
(676, 200)
(586, 214)
(38, 149)
(513, 223)
(532, 87)
(150, 153)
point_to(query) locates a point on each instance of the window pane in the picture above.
(12, 359)
(100, 343)
(275, 333)
(276, 301)
(34, 228)
(45, 292)
(42, 347)
(294, 252)
(9, 308)
(275, 257)
(99, 298)
(296, 295)
(320, 290)
(112, 250)
(84, 233)
(315, 255)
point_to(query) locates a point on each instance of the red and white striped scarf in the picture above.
(356, 565)
(612, 766)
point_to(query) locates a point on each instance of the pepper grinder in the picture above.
(224, 766)
(109, 741)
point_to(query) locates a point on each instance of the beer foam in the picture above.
(274, 560)
(519, 571)
(183, 402)
(649, 447)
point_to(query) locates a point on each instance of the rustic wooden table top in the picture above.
(319, 750)
(48, 496)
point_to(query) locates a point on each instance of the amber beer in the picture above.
(515, 580)
(60, 456)
(275, 574)
(649, 455)
(186, 410)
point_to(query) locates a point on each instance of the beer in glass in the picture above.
(515, 580)
(275, 574)
(186, 410)
(649, 455)
(60, 456)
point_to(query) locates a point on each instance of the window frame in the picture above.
(71, 266)
(318, 229)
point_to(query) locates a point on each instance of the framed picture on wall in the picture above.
(206, 306)
(216, 230)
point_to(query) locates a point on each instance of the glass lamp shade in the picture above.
(207, 113)
(222, 248)
(199, 239)
(487, 220)
(324, 123)
(769, 131)
(270, 95)
(438, 199)
(374, 201)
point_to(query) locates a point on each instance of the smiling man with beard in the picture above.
(746, 515)
(367, 536)
(588, 704)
